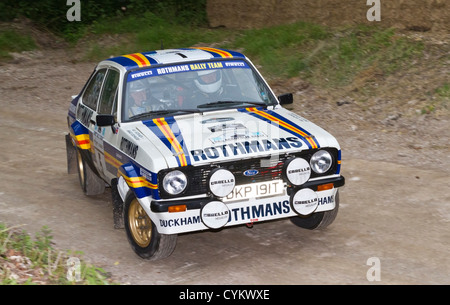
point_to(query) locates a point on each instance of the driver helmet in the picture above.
(209, 81)
(138, 92)
(137, 87)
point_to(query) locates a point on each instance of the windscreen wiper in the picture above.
(220, 103)
(162, 112)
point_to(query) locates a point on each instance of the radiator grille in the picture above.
(267, 169)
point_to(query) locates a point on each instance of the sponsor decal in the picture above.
(254, 213)
(182, 221)
(84, 114)
(129, 147)
(172, 69)
(325, 200)
(251, 172)
(244, 148)
(141, 74)
(212, 65)
(216, 120)
(225, 127)
(227, 137)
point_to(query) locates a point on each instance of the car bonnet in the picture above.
(196, 139)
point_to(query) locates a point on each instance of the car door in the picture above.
(87, 110)
(106, 135)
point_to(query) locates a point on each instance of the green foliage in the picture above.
(45, 260)
(318, 53)
(147, 32)
(51, 14)
(11, 41)
(439, 99)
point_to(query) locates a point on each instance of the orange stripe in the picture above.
(286, 125)
(111, 160)
(175, 144)
(83, 141)
(143, 58)
(222, 53)
(163, 126)
(136, 182)
(138, 58)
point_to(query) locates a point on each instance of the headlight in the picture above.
(321, 161)
(174, 182)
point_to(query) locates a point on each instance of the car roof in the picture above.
(170, 56)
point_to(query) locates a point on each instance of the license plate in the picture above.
(256, 190)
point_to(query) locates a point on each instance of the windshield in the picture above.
(193, 87)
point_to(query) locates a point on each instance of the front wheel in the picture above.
(318, 220)
(142, 233)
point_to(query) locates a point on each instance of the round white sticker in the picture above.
(215, 214)
(221, 182)
(298, 171)
(305, 201)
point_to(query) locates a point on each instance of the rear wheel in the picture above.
(90, 183)
(318, 220)
(143, 235)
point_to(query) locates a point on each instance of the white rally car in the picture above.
(194, 139)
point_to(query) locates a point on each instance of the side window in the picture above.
(109, 94)
(90, 96)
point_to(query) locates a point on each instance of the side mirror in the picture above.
(286, 98)
(105, 120)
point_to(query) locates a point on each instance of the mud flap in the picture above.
(71, 156)
(118, 206)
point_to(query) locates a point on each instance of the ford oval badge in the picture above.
(251, 172)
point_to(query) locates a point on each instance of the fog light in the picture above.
(215, 214)
(305, 201)
(221, 182)
(297, 171)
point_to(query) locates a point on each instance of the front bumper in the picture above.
(239, 212)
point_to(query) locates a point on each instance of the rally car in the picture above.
(194, 139)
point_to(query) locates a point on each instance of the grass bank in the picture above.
(323, 56)
(12, 41)
(28, 261)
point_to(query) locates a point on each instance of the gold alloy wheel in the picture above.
(140, 224)
(80, 168)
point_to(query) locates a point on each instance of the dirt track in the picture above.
(395, 206)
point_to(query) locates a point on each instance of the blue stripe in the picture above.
(283, 119)
(129, 63)
(173, 126)
(338, 169)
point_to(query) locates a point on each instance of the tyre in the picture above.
(90, 183)
(318, 220)
(143, 235)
